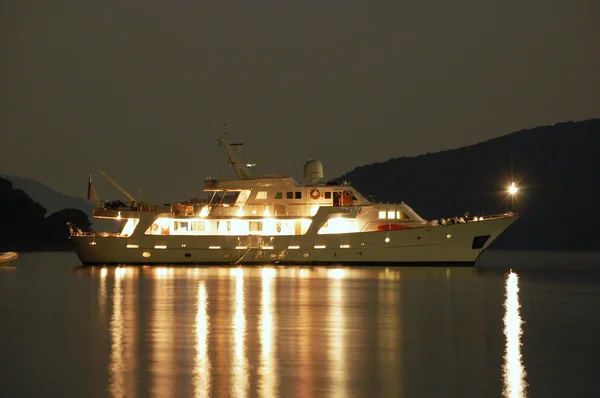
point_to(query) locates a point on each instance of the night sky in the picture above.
(128, 86)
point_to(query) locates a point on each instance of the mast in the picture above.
(242, 169)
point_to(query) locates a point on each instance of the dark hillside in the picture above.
(557, 166)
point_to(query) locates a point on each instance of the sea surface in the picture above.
(523, 324)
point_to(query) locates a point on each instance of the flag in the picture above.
(89, 187)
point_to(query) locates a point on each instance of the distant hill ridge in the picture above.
(51, 199)
(558, 167)
(26, 224)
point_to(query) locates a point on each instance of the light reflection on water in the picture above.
(267, 329)
(408, 332)
(239, 382)
(336, 334)
(162, 333)
(389, 327)
(202, 369)
(122, 331)
(235, 339)
(102, 291)
(513, 369)
(117, 374)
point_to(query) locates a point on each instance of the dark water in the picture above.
(534, 331)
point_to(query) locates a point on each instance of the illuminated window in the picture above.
(261, 195)
(224, 226)
(327, 195)
(289, 195)
(298, 195)
(180, 226)
(243, 197)
(255, 226)
(129, 227)
(382, 215)
(197, 226)
(391, 214)
(279, 195)
(338, 225)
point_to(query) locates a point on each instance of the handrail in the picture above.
(101, 234)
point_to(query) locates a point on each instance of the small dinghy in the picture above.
(7, 257)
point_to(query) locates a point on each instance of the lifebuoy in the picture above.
(315, 194)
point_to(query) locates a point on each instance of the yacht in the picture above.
(255, 220)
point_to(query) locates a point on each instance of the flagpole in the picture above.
(89, 191)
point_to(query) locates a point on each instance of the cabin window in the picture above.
(197, 226)
(328, 195)
(289, 195)
(391, 215)
(243, 197)
(298, 195)
(261, 195)
(338, 225)
(180, 226)
(129, 227)
(154, 229)
(279, 195)
(224, 226)
(255, 226)
(228, 197)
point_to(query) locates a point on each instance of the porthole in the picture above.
(306, 255)
(146, 254)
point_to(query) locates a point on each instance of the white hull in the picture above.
(448, 244)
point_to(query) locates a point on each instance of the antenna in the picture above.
(124, 192)
(242, 168)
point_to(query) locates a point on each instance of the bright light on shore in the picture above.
(512, 189)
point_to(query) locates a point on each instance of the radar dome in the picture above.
(313, 170)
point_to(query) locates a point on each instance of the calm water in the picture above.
(69, 331)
